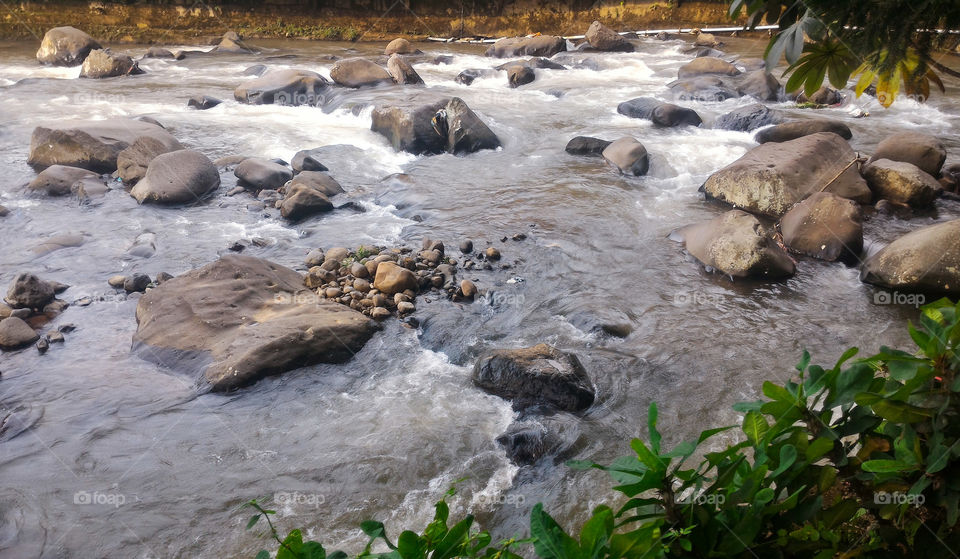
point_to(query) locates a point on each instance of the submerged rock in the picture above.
(736, 244)
(750, 117)
(926, 260)
(284, 87)
(800, 128)
(178, 177)
(30, 292)
(15, 334)
(240, 319)
(102, 63)
(823, 96)
(541, 45)
(628, 155)
(65, 46)
(585, 145)
(771, 178)
(662, 114)
(759, 84)
(707, 65)
(58, 180)
(519, 74)
(203, 102)
(256, 173)
(824, 226)
(91, 144)
(307, 160)
(402, 72)
(540, 375)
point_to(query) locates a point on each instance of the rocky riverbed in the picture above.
(344, 277)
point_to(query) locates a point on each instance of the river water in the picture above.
(106, 455)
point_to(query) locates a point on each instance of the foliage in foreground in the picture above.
(861, 459)
(890, 42)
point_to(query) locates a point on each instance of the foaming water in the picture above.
(385, 435)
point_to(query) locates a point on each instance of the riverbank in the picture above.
(157, 24)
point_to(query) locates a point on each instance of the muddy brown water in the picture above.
(107, 455)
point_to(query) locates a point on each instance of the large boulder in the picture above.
(541, 45)
(400, 46)
(402, 72)
(824, 226)
(231, 43)
(901, 182)
(800, 128)
(705, 89)
(707, 65)
(823, 96)
(65, 46)
(759, 84)
(102, 63)
(662, 114)
(443, 126)
(628, 155)
(736, 244)
(257, 173)
(58, 180)
(307, 160)
(520, 74)
(284, 87)
(540, 375)
(391, 278)
(203, 102)
(302, 201)
(178, 177)
(30, 292)
(771, 178)
(585, 145)
(925, 260)
(750, 117)
(15, 333)
(91, 144)
(240, 319)
(132, 162)
(603, 38)
(359, 72)
(925, 151)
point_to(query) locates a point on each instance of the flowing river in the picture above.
(106, 455)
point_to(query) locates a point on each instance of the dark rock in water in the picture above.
(260, 174)
(534, 62)
(400, 46)
(159, 52)
(901, 183)
(524, 444)
(823, 96)
(444, 126)
(662, 36)
(4, 212)
(132, 163)
(58, 242)
(662, 114)
(923, 150)
(58, 180)
(306, 160)
(402, 72)
(760, 85)
(628, 155)
(603, 38)
(29, 292)
(93, 145)
(284, 87)
(466, 132)
(541, 45)
(705, 66)
(466, 246)
(468, 76)
(706, 89)
(518, 75)
(736, 244)
(800, 128)
(240, 319)
(926, 260)
(316, 180)
(442, 59)
(65, 46)
(771, 178)
(137, 283)
(585, 145)
(700, 52)
(203, 102)
(15, 333)
(255, 70)
(105, 64)
(231, 43)
(535, 376)
(359, 72)
(89, 188)
(749, 118)
(178, 177)
(824, 226)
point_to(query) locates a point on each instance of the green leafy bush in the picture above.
(861, 459)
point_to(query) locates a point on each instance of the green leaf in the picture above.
(818, 448)
(411, 546)
(901, 412)
(292, 546)
(313, 550)
(887, 466)
(778, 393)
(550, 541)
(648, 458)
(455, 539)
(755, 427)
(652, 428)
(788, 455)
(253, 521)
(596, 533)
(264, 554)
